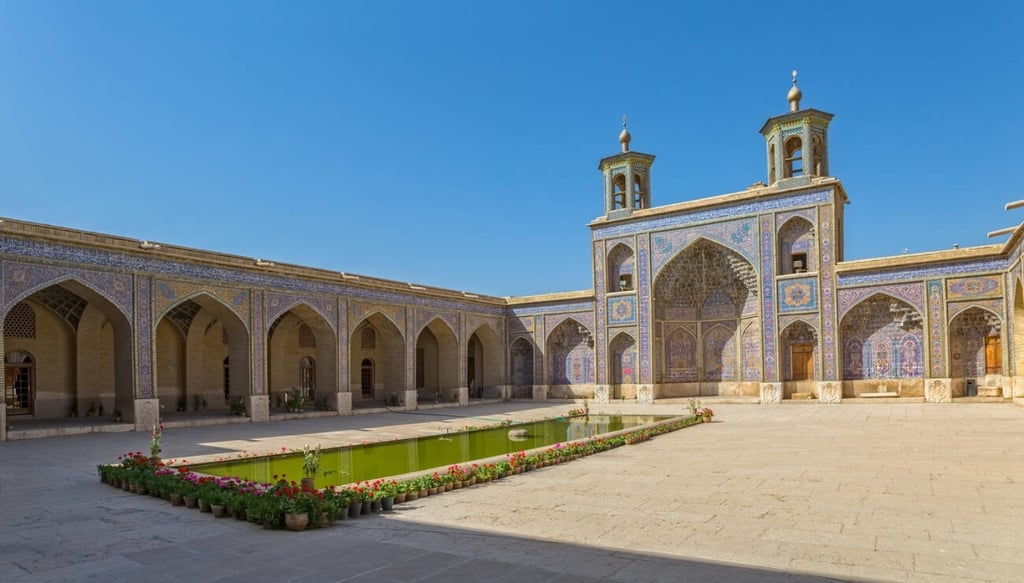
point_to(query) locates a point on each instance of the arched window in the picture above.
(619, 191)
(817, 157)
(620, 269)
(366, 377)
(771, 164)
(307, 377)
(793, 165)
(639, 191)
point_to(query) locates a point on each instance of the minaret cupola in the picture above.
(796, 142)
(627, 179)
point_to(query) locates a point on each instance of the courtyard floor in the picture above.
(795, 492)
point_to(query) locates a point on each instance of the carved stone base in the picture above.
(938, 391)
(645, 395)
(771, 393)
(601, 394)
(830, 392)
(147, 414)
(409, 399)
(463, 396)
(540, 392)
(343, 403)
(258, 408)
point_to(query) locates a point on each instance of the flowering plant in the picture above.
(705, 413)
(311, 461)
(154, 439)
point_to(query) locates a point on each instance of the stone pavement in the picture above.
(800, 493)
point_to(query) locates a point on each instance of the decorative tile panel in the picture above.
(994, 306)
(974, 287)
(621, 310)
(830, 372)
(24, 279)
(521, 325)
(811, 214)
(144, 349)
(359, 311)
(705, 215)
(643, 270)
(735, 235)
(278, 304)
(552, 308)
(599, 305)
(798, 295)
(257, 385)
(767, 298)
(424, 317)
(921, 272)
(912, 293)
(168, 294)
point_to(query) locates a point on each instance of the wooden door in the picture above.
(802, 354)
(993, 356)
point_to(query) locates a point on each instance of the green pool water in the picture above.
(368, 462)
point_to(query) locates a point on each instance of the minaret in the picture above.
(797, 142)
(627, 179)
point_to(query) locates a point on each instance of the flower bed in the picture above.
(270, 504)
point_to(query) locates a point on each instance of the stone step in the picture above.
(796, 396)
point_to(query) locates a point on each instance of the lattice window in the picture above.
(20, 322)
(306, 337)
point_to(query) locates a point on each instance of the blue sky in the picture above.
(455, 144)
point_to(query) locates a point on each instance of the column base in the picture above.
(771, 393)
(540, 392)
(258, 408)
(410, 399)
(830, 392)
(601, 394)
(343, 403)
(938, 391)
(147, 414)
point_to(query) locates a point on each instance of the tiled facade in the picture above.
(723, 295)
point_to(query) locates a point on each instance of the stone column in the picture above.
(463, 396)
(938, 390)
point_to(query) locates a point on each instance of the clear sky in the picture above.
(455, 144)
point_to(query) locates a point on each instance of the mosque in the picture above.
(743, 295)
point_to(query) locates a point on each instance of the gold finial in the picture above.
(795, 95)
(624, 137)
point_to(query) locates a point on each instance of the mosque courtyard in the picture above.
(799, 492)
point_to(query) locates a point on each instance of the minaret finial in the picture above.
(795, 95)
(624, 137)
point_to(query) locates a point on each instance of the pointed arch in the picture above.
(272, 316)
(796, 247)
(521, 356)
(621, 268)
(211, 365)
(975, 340)
(287, 352)
(622, 357)
(386, 354)
(83, 349)
(437, 365)
(873, 336)
(570, 348)
(800, 352)
(484, 361)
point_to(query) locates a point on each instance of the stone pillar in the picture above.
(938, 390)
(644, 395)
(410, 399)
(830, 392)
(147, 414)
(3, 421)
(343, 403)
(258, 408)
(463, 396)
(540, 392)
(771, 393)
(601, 393)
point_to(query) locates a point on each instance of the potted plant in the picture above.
(387, 492)
(310, 466)
(155, 437)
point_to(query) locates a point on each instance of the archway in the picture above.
(376, 341)
(437, 371)
(484, 364)
(797, 252)
(975, 344)
(798, 347)
(570, 349)
(521, 353)
(202, 356)
(704, 298)
(80, 345)
(302, 357)
(881, 341)
(622, 366)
